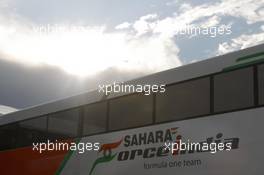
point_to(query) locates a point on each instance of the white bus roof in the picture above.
(178, 74)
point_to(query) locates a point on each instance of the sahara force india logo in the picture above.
(107, 154)
(144, 145)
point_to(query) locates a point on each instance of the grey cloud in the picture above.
(22, 86)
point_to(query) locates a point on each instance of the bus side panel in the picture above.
(141, 150)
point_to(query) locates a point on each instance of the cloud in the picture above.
(241, 42)
(145, 24)
(4, 4)
(90, 51)
(124, 25)
(146, 44)
(205, 15)
(85, 50)
(211, 21)
(173, 3)
(247, 9)
(23, 85)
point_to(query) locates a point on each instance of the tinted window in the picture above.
(39, 124)
(32, 131)
(9, 136)
(130, 111)
(64, 124)
(183, 100)
(233, 90)
(25, 133)
(94, 120)
(261, 84)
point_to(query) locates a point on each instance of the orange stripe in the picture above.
(25, 161)
(110, 145)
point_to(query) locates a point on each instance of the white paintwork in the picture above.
(246, 159)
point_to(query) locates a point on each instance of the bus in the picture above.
(218, 100)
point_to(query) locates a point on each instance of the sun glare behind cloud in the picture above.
(87, 50)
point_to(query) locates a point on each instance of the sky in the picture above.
(54, 49)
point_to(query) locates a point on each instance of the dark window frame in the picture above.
(259, 100)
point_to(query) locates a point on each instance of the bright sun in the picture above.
(86, 52)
